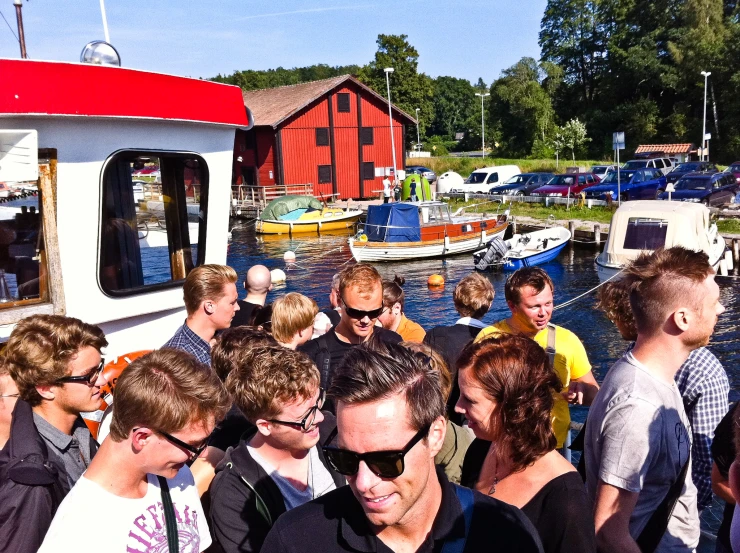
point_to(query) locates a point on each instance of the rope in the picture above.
(11, 28)
(567, 303)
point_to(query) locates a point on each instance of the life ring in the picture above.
(111, 372)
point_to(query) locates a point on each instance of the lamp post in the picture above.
(21, 35)
(482, 123)
(418, 136)
(704, 126)
(389, 70)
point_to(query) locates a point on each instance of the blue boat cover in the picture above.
(397, 222)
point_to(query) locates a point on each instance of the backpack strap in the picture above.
(323, 360)
(169, 517)
(465, 496)
(550, 349)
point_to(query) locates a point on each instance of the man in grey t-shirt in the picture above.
(637, 438)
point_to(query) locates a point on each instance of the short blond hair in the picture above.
(473, 296)
(269, 377)
(41, 347)
(206, 282)
(361, 275)
(291, 313)
(167, 390)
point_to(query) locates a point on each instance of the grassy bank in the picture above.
(539, 211)
(466, 165)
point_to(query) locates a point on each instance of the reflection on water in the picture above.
(319, 257)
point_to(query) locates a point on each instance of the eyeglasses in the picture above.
(386, 464)
(193, 450)
(88, 378)
(307, 422)
(10, 395)
(359, 314)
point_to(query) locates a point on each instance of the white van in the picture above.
(481, 181)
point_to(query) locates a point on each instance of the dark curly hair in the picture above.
(514, 371)
(614, 301)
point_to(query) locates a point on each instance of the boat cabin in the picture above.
(133, 171)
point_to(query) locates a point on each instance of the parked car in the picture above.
(602, 170)
(664, 164)
(425, 172)
(482, 180)
(523, 184)
(691, 167)
(735, 170)
(707, 188)
(633, 184)
(560, 185)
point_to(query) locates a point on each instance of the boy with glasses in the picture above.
(391, 424)
(56, 365)
(277, 466)
(167, 405)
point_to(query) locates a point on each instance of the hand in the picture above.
(574, 395)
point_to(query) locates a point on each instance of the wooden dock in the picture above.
(247, 202)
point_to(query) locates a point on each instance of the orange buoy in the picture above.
(436, 280)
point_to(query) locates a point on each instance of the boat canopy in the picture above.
(397, 222)
(285, 204)
(647, 225)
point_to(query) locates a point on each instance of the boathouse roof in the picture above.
(665, 148)
(272, 106)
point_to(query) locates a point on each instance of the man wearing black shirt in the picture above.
(257, 284)
(391, 424)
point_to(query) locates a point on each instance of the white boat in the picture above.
(645, 225)
(523, 250)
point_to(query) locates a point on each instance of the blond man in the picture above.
(167, 404)
(211, 302)
(277, 465)
(292, 319)
(56, 365)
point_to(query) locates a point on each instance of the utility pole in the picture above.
(482, 124)
(704, 126)
(389, 70)
(21, 36)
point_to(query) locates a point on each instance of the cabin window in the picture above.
(153, 220)
(645, 234)
(368, 170)
(324, 174)
(322, 136)
(366, 135)
(343, 102)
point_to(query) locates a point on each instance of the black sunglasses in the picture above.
(386, 464)
(195, 451)
(359, 314)
(307, 422)
(88, 378)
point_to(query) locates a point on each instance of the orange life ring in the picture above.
(111, 372)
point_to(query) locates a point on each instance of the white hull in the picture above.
(375, 251)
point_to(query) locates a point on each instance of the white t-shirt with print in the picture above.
(91, 519)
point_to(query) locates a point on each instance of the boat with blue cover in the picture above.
(523, 250)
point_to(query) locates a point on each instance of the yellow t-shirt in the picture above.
(410, 331)
(571, 362)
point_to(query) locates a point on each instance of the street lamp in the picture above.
(704, 127)
(389, 70)
(418, 138)
(482, 123)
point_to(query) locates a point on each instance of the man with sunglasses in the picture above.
(391, 424)
(56, 365)
(139, 487)
(277, 466)
(361, 300)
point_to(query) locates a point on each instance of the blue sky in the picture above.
(460, 38)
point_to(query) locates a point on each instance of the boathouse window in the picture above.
(322, 136)
(367, 135)
(368, 170)
(343, 102)
(645, 234)
(153, 220)
(324, 174)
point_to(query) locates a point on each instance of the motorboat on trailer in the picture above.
(646, 225)
(304, 214)
(416, 230)
(522, 250)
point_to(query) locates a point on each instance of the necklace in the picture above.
(496, 479)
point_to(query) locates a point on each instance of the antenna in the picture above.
(105, 21)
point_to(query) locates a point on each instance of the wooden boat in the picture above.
(645, 225)
(523, 250)
(415, 230)
(303, 214)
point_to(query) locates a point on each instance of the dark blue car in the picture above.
(691, 167)
(706, 188)
(634, 184)
(522, 184)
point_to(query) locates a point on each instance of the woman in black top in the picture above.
(506, 393)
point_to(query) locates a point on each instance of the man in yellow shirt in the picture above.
(529, 295)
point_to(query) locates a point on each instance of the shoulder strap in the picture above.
(657, 525)
(323, 360)
(169, 516)
(550, 349)
(465, 496)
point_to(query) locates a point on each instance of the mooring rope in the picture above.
(569, 302)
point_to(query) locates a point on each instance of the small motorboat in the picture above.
(522, 250)
(646, 225)
(303, 214)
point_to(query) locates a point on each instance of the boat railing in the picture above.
(249, 201)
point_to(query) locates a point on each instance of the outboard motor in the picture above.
(493, 256)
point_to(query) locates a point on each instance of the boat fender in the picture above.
(289, 256)
(436, 280)
(277, 276)
(363, 237)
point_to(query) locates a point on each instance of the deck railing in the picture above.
(249, 201)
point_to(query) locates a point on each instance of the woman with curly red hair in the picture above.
(507, 390)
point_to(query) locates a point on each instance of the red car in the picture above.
(735, 170)
(561, 185)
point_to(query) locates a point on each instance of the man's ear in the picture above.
(140, 437)
(682, 318)
(47, 391)
(208, 306)
(436, 436)
(263, 427)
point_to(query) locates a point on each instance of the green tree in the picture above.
(258, 79)
(574, 136)
(455, 107)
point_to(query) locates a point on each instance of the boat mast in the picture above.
(21, 35)
(105, 21)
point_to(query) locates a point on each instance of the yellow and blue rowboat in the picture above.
(305, 219)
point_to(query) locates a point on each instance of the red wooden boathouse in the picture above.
(332, 133)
